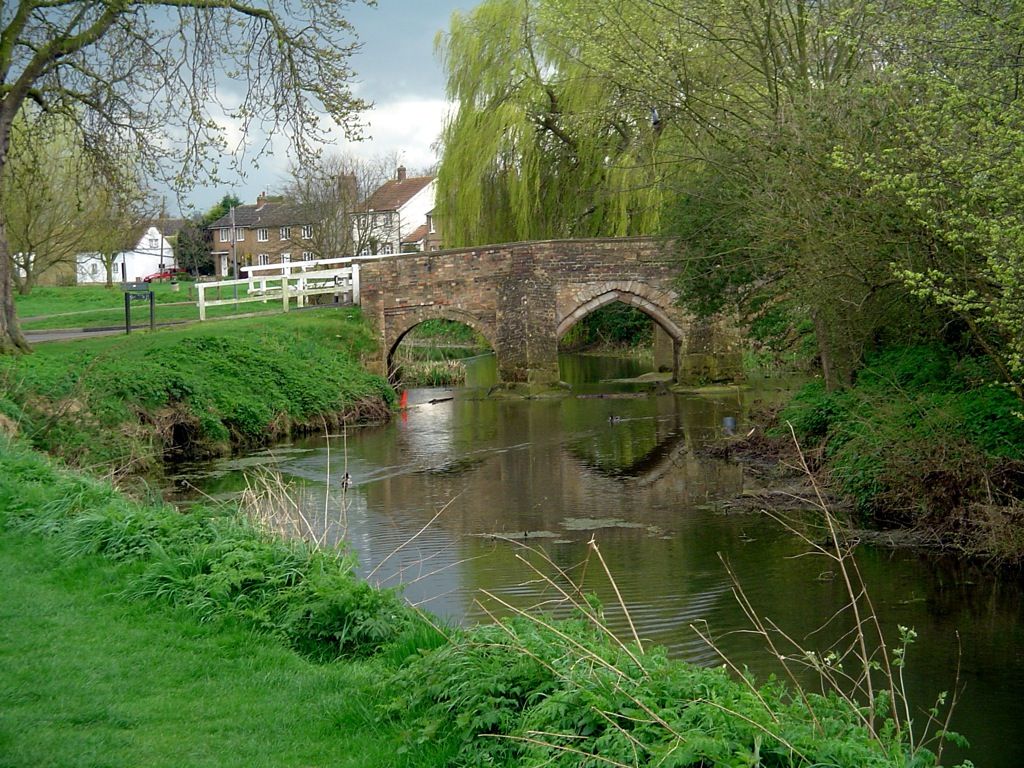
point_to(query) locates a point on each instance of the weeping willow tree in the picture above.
(541, 146)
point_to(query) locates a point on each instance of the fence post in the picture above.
(284, 291)
(355, 283)
(202, 301)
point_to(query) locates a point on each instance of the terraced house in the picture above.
(273, 231)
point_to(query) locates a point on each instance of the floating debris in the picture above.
(518, 535)
(594, 523)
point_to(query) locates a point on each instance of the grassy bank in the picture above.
(127, 402)
(923, 441)
(244, 637)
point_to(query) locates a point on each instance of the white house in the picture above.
(153, 252)
(393, 212)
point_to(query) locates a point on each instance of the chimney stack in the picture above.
(401, 173)
(261, 199)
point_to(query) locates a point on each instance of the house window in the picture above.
(225, 235)
(430, 221)
(388, 248)
(264, 259)
(286, 233)
(154, 243)
(307, 231)
(308, 256)
(239, 235)
(285, 258)
(262, 235)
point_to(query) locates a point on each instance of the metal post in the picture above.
(127, 313)
(152, 312)
(234, 252)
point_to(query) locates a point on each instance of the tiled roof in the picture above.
(416, 235)
(269, 214)
(392, 195)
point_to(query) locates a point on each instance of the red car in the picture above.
(172, 273)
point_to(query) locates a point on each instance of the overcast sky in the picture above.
(397, 71)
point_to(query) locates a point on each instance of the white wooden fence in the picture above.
(283, 282)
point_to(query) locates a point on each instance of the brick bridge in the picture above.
(523, 297)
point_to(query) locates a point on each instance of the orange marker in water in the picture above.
(403, 400)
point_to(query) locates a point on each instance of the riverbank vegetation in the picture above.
(923, 441)
(126, 403)
(208, 590)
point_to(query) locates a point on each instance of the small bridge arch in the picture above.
(409, 320)
(523, 297)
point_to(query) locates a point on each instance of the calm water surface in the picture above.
(502, 476)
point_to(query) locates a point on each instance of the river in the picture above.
(462, 493)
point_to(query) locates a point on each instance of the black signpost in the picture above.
(137, 292)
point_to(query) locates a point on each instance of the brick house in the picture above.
(273, 231)
(394, 217)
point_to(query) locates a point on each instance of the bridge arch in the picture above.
(409, 320)
(648, 300)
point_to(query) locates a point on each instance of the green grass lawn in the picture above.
(96, 306)
(89, 680)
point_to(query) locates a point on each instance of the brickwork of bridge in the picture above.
(523, 297)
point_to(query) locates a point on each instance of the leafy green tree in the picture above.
(49, 204)
(539, 147)
(192, 248)
(222, 208)
(139, 79)
(956, 165)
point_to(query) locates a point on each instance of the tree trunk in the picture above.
(825, 352)
(108, 265)
(11, 338)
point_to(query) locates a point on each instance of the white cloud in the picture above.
(406, 127)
